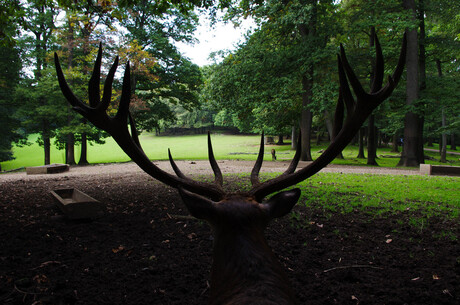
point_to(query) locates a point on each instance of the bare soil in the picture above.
(146, 250)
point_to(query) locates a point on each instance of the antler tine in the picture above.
(344, 90)
(295, 160)
(260, 159)
(94, 94)
(107, 96)
(354, 81)
(386, 91)
(134, 135)
(174, 166)
(69, 95)
(379, 67)
(215, 167)
(338, 117)
(125, 99)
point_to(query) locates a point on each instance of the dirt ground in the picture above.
(144, 251)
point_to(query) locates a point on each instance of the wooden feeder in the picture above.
(77, 205)
(47, 169)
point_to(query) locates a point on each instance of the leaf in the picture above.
(116, 250)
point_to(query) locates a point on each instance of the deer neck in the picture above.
(245, 270)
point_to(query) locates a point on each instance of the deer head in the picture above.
(245, 270)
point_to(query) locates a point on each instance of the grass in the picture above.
(420, 200)
(194, 147)
(430, 195)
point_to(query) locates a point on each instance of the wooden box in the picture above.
(77, 205)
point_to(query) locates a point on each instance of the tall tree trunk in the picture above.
(308, 33)
(422, 73)
(411, 151)
(70, 142)
(371, 130)
(70, 138)
(394, 144)
(371, 142)
(443, 143)
(306, 119)
(294, 136)
(329, 125)
(361, 144)
(46, 141)
(443, 138)
(84, 149)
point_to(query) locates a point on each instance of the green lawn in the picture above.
(194, 147)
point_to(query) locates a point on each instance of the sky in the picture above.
(222, 36)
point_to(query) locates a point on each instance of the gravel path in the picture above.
(202, 168)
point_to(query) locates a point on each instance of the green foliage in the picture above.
(260, 85)
(9, 133)
(177, 79)
(11, 13)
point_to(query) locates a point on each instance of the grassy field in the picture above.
(194, 147)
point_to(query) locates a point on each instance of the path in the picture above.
(436, 150)
(203, 168)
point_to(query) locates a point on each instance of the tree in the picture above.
(39, 22)
(85, 27)
(10, 65)
(279, 63)
(173, 80)
(411, 155)
(361, 18)
(11, 14)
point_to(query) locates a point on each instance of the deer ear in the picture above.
(283, 202)
(198, 206)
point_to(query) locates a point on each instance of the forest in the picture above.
(282, 78)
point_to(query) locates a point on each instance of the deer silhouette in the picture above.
(244, 268)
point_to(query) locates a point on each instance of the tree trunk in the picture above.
(47, 149)
(329, 125)
(411, 154)
(371, 142)
(307, 32)
(361, 144)
(394, 144)
(443, 138)
(280, 140)
(84, 150)
(70, 141)
(371, 130)
(294, 136)
(430, 142)
(318, 137)
(306, 119)
(70, 149)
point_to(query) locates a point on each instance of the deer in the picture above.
(244, 268)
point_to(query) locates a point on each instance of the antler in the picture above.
(117, 127)
(357, 113)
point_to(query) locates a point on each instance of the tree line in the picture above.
(280, 79)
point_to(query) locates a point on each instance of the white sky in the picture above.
(222, 36)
